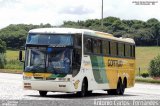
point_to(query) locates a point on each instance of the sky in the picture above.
(55, 12)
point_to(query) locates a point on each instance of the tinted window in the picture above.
(88, 45)
(127, 50)
(78, 40)
(121, 49)
(113, 47)
(106, 48)
(97, 46)
(46, 39)
(133, 51)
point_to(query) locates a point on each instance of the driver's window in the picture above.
(77, 54)
(37, 58)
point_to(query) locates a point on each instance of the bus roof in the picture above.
(84, 31)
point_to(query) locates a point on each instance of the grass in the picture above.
(147, 80)
(12, 60)
(14, 71)
(12, 55)
(13, 64)
(143, 57)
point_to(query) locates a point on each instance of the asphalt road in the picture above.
(11, 89)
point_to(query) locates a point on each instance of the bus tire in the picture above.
(118, 91)
(43, 93)
(111, 92)
(84, 88)
(89, 92)
(124, 85)
(120, 88)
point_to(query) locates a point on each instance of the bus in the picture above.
(77, 61)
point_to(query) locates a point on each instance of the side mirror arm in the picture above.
(20, 56)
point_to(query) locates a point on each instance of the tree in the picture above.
(15, 35)
(2, 60)
(110, 20)
(137, 24)
(2, 51)
(154, 25)
(152, 22)
(2, 46)
(154, 69)
(144, 33)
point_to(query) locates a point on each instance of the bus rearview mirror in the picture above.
(20, 55)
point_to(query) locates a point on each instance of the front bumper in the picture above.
(55, 86)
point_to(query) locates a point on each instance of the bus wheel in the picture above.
(118, 91)
(111, 92)
(120, 88)
(43, 93)
(124, 84)
(83, 91)
(89, 92)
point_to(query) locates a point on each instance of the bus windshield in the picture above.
(47, 39)
(59, 60)
(35, 60)
(51, 60)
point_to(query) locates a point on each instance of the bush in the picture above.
(14, 64)
(2, 46)
(144, 75)
(154, 68)
(147, 80)
(2, 60)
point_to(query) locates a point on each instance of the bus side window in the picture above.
(120, 49)
(97, 46)
(117, 49)
(106, 47)
(124, 46)
(113, 48)
(94, 46)
(78, 41)
(133, 50)
(127, 50)
(109, 48)
(76, 61)
(87, 45)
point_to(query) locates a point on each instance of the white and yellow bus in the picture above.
(77, 60)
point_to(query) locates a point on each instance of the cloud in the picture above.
(8, 3)
(44, 11)
(80, 10)
(57, 11)
(127, 10)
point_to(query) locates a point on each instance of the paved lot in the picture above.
(11, 89)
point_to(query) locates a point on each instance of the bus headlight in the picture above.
(64, 79)
(27, 77)
(27, 85)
